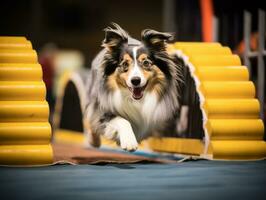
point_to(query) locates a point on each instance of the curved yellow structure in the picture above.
(230, 111)
(25, 132)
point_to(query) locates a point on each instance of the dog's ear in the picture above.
(114, 37)
(155, 40)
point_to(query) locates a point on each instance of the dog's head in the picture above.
(137, 67)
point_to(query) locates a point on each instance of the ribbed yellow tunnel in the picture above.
(233, 129)
(25, 132)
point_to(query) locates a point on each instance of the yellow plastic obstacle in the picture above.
(25, 132)
(233, 130)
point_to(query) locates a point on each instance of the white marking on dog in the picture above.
(149, 106)
(136, 70)
(121, 129)
(128, 108)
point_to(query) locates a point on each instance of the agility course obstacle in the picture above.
(230, 112)
(25, 132)
(232, 127)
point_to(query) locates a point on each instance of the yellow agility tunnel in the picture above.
(230, 123)
(25, 133)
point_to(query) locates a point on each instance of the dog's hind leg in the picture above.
(93, 138)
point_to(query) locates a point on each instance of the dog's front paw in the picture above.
(125, 133)
(128, 142)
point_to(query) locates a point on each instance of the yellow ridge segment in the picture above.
(11, 39)
(205, 50)
(232, 108)
(176, 145)
(215, 60)
(24, 111)
(235, 129)
(179, 45)
(228, 89)
(238, 150)
(26, 154)
(15, 45)
(25, 133)
(69, 137)
(222, 73)
(15, 90)
(20, 72)
(18, 56)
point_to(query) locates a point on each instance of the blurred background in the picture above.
(67, 34)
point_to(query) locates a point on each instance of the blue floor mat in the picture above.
(148, 154)
(188, 180)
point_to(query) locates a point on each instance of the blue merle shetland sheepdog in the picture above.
(132, 88)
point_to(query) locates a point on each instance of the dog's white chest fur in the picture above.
(140, 113)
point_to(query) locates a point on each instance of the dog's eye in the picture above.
(146, 64)
(124, 65)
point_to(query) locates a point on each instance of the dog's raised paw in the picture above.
(129, 144)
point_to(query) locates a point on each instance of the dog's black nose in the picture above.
(135, 80)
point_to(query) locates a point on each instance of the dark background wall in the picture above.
(78, 24)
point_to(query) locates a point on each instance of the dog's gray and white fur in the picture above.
(128, 101)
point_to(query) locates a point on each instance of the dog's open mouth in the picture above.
(137, 92)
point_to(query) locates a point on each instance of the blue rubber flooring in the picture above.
(188, 180)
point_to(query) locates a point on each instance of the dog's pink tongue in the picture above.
(137, 93)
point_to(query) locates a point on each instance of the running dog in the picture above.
(132, 88)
